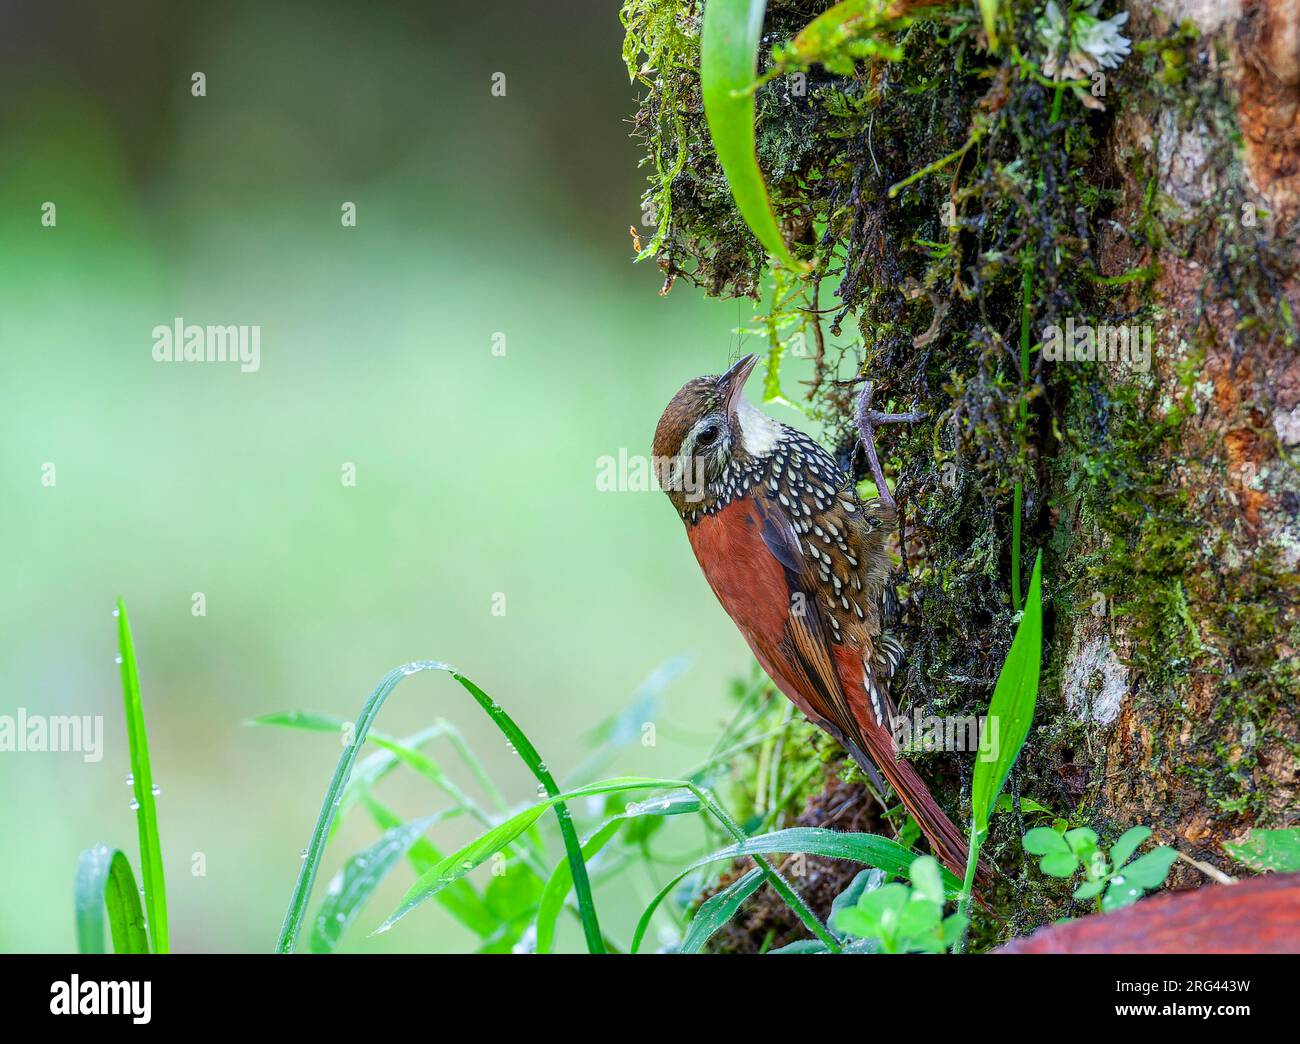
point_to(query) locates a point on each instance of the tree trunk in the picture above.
(1164, 497)
(1187, 684)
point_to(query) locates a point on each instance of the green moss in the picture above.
(922, 190)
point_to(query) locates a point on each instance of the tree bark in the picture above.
(1199, 736)
(956, 202)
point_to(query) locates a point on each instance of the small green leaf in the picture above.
(1044, 841)
(919, 919)
(927, 882)
(1089, 890)
(870, 849)
(865, 881)
(1082, 841)
(954, 927)
(884, 901)
(1005, 803)
(1149, 871)
(1120, 894)
(1059, 864)
(1127, 844)
(1263, 850)
(301, 719)
(851, 29)
(677, 803)
(1095, 865)
(852, 921)
(718, 909)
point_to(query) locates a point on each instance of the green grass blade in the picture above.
(561, 879)
(718, 909)
(1012, 707)
(105, 883)
(560, 883)
(525, 749)
(461, 900)
(393, 752)
(475, 766)
(297, 909)
(146, 812)
(870, 849)
(728, 65)
(425, 766)
(314, 722)
(483, 847)
(333, 795)
(308, 721)
(352, 887)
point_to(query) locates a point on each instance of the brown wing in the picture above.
(751, 555)
(807, 632)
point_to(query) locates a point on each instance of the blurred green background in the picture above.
(475, 473)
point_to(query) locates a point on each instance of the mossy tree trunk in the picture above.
(1186, 681)
(1165, 497)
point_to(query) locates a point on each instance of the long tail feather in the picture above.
(947, 841)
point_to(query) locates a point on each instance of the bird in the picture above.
(799, 563)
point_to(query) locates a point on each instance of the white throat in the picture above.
(759, 433)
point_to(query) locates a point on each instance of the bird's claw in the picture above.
(868, 420)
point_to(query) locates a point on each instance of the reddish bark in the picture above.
(1261, 915)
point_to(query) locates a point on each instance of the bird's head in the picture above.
(706, 426)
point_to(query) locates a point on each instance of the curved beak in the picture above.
(731, 384)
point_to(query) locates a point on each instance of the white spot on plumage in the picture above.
(870, 686)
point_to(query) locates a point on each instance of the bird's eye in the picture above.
(708, 436)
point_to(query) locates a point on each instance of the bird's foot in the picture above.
(868, 420)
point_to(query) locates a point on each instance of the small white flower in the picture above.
(1079, 43)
